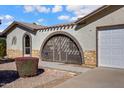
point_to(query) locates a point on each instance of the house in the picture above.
(94, 40)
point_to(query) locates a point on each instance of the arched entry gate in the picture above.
(61, 48)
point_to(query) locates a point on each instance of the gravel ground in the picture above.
(49, 78)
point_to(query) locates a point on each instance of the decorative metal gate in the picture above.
(61, 48)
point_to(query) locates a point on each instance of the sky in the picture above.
(43, 14)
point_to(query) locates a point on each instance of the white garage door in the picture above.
(111, 48)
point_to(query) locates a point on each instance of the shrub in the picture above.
(27, 66)
(2, 48)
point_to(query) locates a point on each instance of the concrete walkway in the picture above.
(96, 78)
(63, 66)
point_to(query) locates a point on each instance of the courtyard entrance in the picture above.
(60, 48)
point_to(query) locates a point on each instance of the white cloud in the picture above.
(73, 7)
(6, 20)
(38, 8)
(8, 23)
(57, 8)
(80, 10)
(40, 20)
(64, 17)
(28, 8)
(9, 17)
(74, 18)
(77, 10)
(42, 9)
(1, 30)
(6, 17)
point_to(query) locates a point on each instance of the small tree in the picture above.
(2, 47)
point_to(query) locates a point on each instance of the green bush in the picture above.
(2, 48)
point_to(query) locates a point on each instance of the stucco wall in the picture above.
(18, 33)
(87, 34)
(17, 49)
(41, 36)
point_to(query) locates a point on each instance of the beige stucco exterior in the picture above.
(86, 36)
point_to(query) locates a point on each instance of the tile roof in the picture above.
(61, 25)
(30, 25)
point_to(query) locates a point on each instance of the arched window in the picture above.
(27, 41)
(14, 40)
(27, 45)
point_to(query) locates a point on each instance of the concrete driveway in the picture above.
(66, 67)
(96, 78)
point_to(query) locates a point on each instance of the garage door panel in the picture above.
(116, 62)
(111, 48)
(117, 52)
